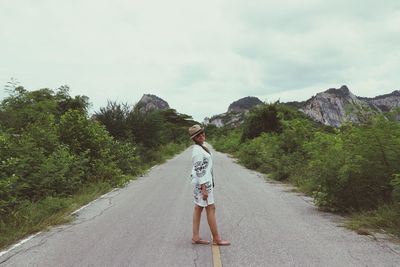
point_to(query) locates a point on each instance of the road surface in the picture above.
(148, 223)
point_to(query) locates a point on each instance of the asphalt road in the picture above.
(148, 223)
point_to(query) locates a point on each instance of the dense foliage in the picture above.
(353, 168)
(49, 147)
(148, 131)
(50, 150)
(262, 119)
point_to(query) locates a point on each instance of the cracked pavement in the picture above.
(149, 223)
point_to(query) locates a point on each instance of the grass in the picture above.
(384, 219)
(170, 150)
(30, 217)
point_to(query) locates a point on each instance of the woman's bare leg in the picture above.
(212, 221)
(196, 221)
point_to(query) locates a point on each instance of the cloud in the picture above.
(191, 74)
(201, 56)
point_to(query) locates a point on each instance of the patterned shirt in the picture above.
(202, 167)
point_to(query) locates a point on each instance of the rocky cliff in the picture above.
(150, 103)
(332, 107)
(385, 102)
(336, 106)
(233, 119)
(235, 114)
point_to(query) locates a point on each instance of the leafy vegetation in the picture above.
(54, 157)
(353, 169)
(263, 119)
(245, 103)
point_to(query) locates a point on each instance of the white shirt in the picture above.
(202, 167)
(202, 174)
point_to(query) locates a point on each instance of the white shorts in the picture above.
(198, 197)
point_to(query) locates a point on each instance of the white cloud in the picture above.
(201, 56)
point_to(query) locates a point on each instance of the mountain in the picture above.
(332, 107)
(337, 106)
(235, 114)
(385, 102)
(244, 104)
(151, 102)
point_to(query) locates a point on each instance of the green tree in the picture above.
(115, 118)
(262, 119)
(146, 128)
(23, 107)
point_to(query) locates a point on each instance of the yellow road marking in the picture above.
(216, 255)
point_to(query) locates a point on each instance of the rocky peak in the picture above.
(385, 102)
(332, 107)
(244, 104)
(343, 91)
(150, 102)
(235, 114)
(336, 106)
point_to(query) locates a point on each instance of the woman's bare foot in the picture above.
(220, 242)
(200, 241)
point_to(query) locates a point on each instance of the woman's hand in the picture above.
(204, 192)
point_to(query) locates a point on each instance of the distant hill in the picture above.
(332, 107)
(150, 102)
(385, 102)
(235, 114)
(336, 106)
(244, 104)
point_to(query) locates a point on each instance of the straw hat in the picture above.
(195, 130)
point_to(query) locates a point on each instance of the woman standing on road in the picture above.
(203, 183)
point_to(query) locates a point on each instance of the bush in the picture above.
(353, 168)
(396, 188)
(126, 157)
(83, 135)
(171, 149)
(8, 197)
(228, 143)
(62, 173)
(259, 153)
(261, 119)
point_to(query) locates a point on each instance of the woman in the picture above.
(203, 182)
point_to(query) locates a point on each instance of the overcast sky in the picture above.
(200, 56)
